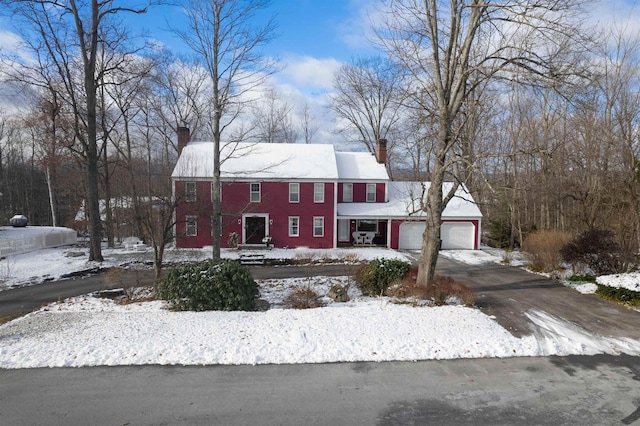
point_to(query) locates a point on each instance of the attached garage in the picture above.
(411, 235)
(458, 236)
(402, 213)
(455, 235)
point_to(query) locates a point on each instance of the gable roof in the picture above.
(404, 201)
(359, 166)
(277, 161)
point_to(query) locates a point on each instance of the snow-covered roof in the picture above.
(404, 200)
(265, 161)
(262, 161)
(360, 165)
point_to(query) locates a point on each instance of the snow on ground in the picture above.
(89, 331)
(52, 264)
(629, 281)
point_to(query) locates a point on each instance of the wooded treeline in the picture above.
(536, 154)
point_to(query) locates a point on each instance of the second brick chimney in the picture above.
(381, 151)
(184, 136)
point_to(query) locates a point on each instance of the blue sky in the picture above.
(313, 38)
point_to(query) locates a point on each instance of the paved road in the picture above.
(599, 390)
(541, 391)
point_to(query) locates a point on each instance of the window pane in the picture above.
(294, 192)
(318, 192)
(318, 226)
(371, 192)
(347, 192)
(255, 193)
(365, 225)
(190, 192)
(192, 226)
(294, 229)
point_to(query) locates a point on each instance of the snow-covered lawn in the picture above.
(88, 331)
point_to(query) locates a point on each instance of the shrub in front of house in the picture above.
(595, 249)
(374, 278)
(303, 298)
(211, 285)
(543, 250)
(439, 292)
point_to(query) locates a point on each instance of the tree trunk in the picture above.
(433, 209)
(52, 198)
(93, 197)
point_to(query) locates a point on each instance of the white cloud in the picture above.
(621, 14)
(357, 31)
(309, 73)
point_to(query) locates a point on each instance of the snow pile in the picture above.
(629, 281)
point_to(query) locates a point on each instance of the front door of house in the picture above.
(255, 229)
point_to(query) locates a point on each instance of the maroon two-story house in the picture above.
(296, 195)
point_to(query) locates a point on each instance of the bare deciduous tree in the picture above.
(223, 35)
(451, 49)
(368, 99)
(273, 119)
(70, 36)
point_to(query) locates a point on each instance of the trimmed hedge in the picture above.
(211, 285)
(374, 278)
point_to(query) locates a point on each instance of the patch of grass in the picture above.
(618, 294)
(6, 318)
(582, 278)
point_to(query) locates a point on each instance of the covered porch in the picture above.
(362, 232)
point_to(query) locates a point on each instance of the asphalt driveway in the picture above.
(508, 293)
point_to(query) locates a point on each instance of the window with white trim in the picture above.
(190, 192)
(294, 192)
(191, 228)
(254, 195)
(318, 226)
(318, 192)
(371, 193)
(294, 226)
(347, 192)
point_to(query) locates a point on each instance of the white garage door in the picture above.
(455, 235)
(411, 235)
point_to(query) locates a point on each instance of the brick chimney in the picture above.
(184, 136)
(381, 151)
